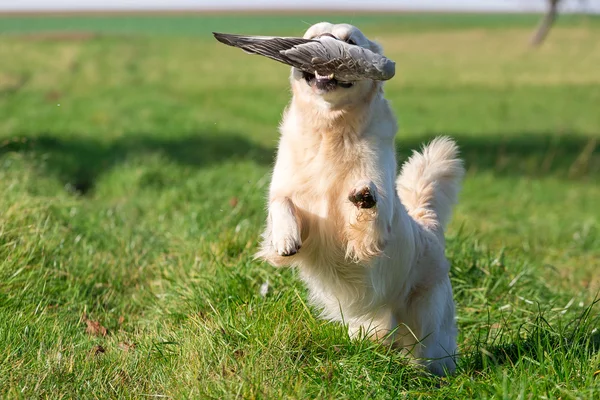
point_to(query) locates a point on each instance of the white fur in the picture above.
(381, 270)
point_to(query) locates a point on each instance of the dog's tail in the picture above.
(429, 182)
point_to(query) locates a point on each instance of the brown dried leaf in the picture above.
(125, 346)
(94, 328)
(233, 202)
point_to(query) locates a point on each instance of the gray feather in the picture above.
(325, 56)
(267, 46)
(346, 61)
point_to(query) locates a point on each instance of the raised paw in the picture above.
(286, 237)
(363, 198)
(287, 246)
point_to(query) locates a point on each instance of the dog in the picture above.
(368, 245)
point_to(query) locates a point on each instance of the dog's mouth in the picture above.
(324, 83)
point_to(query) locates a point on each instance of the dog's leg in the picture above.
(378, 328)
(370, 221)
(370, 200)
(429, 318)
(282, 236)
(285, 227)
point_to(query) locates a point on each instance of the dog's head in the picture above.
(331, 92)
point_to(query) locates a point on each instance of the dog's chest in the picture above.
(322, 179)
(322, 175)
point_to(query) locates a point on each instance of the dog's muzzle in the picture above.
(325, 83)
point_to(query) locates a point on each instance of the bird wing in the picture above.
(346, 61)
(325, 56)
(267, 46)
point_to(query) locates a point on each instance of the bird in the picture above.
(324, 56)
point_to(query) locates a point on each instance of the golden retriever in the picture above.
(368, 245)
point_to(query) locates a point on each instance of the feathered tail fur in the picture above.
(429, 183)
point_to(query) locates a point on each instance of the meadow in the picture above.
(135, 156)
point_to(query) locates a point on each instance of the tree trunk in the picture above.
(546, 23)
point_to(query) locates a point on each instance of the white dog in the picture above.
(369, 247)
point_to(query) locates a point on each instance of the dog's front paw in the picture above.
(367, 229)
(286, 240)
(363, 196)
(287, 246)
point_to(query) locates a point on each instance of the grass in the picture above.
(134, 160)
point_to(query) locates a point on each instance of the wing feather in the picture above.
(346, 61)
(267, 46)
(326, 56)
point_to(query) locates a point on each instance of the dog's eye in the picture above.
(350, 41)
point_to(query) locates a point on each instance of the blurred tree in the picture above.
(546, 23)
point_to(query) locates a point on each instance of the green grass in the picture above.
(199, 24)
(133, 175)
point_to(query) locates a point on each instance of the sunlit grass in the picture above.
(133, 175)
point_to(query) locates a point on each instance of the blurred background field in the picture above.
(135, 154)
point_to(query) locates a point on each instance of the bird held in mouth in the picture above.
(325, 56)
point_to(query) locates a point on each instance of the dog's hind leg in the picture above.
(378, 328)
(429, 315)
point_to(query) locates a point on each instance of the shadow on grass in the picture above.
(534, 154)
(79, 161)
